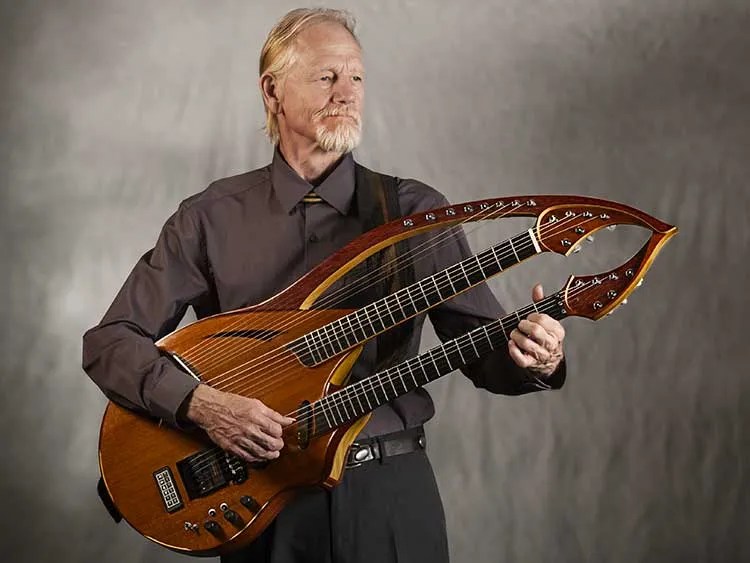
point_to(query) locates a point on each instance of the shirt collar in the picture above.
(337, 189)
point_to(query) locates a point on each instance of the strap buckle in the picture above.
(361, 453)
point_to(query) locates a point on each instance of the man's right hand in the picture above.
(245, 427)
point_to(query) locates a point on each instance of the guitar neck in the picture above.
(354, 401)
(363, 324)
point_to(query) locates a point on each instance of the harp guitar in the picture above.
(181, 491)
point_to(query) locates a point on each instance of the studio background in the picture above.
(111, 112)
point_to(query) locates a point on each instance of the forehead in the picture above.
(327, 44)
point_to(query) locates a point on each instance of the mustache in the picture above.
(337, 111)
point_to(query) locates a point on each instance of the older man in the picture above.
(245, 238)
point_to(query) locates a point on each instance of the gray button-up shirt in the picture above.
(244, 239)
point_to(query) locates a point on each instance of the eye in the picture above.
(357, 78)
(326, 78)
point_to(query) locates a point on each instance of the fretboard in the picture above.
(356, 400)
(365, 323)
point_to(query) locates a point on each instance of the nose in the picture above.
(344, 92)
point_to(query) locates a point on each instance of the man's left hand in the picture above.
(537, 343)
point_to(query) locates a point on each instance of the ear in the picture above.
(269, 88)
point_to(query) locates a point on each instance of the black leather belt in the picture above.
(380, 447)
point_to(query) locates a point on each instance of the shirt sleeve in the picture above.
(496, 371)
(119, 353)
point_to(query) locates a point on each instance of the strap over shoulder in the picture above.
(378, 203)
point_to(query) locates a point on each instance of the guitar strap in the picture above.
(377, 203)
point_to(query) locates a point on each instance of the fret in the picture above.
(487, 336)
(390, 380)
(415, 297)
(468, 281)
(411, 371)
(411, 299)
(338, 410)
(313, 347)
(434, 363)
(378, 319)
(374, 390)
(352, 406)
(325, 414)
(388, 309)
(458, 348)
(385, 392)
(507, 331)
(398, 302)
(328, 343)
(450, 281)
(401, 377)
(422, 368)
(452, 354)
(354, 328)
(340, 400)
(513, 248)
(426, 299)
(344, 332)
(356, 396)
(473, 345)
(444, 352)
(479, 265)
(364, 391)
(369, 321)
(329, 408)
(498, 260)
(437, 287)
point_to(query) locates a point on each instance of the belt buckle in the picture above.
(359, 454)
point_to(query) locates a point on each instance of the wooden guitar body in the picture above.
(135, 451)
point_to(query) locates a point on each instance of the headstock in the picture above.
(595, 296)
(561, 228)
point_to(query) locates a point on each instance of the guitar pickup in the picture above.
(210, 470)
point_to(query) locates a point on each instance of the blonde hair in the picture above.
(278, 53)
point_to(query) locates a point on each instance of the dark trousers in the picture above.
(382, 512)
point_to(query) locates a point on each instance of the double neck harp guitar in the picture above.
(294, 353)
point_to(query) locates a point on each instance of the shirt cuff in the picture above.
(170, 393)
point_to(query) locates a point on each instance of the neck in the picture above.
(309, 161)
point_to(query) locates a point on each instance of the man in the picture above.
(245, 238)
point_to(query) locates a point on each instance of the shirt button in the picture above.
(313, 238)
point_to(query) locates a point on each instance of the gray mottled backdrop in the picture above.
(113, 111)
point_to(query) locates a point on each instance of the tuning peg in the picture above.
(576, 249)
(611, 227)
(590, 239)
(624, 302)
(640, 283)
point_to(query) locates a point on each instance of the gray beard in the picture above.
(343, 139)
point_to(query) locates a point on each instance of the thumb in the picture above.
(537, 293)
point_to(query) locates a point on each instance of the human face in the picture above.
(321, 95)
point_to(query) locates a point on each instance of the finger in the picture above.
(268, 426)
(539, 335)
(537, 292)
(258, 449)
(549, 324)
(277, 417)
(529, 346)
(241, 453)
(521, 359)
(533, 330)
(266, 441)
